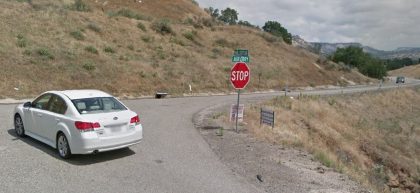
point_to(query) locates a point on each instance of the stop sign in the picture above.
(240, 75)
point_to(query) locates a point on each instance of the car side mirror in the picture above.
(27, 104)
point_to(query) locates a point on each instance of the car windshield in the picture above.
(98, 105)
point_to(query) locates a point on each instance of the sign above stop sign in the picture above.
(240, 75)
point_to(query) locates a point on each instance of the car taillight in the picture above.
(135, 120)
(86, 126)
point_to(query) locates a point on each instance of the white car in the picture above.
(78, 122)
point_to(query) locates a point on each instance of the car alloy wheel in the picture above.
(63, 146)
(20, 130)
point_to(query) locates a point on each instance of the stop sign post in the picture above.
(239, 77)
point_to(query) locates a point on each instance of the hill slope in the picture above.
(409, 71)
(114, 47)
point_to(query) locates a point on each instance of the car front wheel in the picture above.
(63, 147)
(19, 128)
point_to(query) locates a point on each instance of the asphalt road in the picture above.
(173, 156)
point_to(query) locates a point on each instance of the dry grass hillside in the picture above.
(130, 48)
(409, 71)
(374, 137)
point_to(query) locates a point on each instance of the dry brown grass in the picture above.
(373, 137)
(409, 71)
(143, 61)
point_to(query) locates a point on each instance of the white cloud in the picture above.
(384, 24)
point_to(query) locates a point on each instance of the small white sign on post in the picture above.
(234, 112)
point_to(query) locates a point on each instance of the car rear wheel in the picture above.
(19, 128)
(63, 147)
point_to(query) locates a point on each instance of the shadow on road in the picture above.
(75, 159)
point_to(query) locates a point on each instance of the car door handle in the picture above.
(57, 119)
(39, 115)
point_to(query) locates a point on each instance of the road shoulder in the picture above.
(271, 167)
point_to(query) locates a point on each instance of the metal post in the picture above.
(237, 110)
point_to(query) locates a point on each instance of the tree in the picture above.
(214, 13)
(275, 28)
(352, 56)
(366, 64)
(246, 23)
(229, 16)
(419, 60)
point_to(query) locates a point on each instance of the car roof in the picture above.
(81, 94)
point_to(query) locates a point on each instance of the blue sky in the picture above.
(383, 24)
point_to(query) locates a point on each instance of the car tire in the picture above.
(63, 147)
(19, 128)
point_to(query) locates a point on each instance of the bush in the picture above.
(94, 27)
(79, 5)
(27, 53)
(222, 42)
(190, 35)
(195, 2)
(131, 14)
(146, 39)
(44, 52)
(162, 26)
(141, 26)
(78, 35)
(130, 47)
(91, 49)
(21, 42)
(324, 159)
(177, 41)
(109, 50)
(89, 66)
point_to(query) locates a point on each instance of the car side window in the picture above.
(57, 105)
(42, 102)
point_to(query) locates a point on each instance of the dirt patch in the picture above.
(271, 167)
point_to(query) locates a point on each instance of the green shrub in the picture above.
(94, 27)
(130, 14)
(78, 35)
(324, 159)
(91, 49)
(162, 26)
(44, 52)
(189, 21)
(190, 35)
(21, 42)
(130, 47)
(222, 42)
(89, 66)
(195, 2)
(377, 176)
(146, 39)
(141, 26)
(160, 53)
(109, 50)
(27, 52)
(79, 5)
(177, 41)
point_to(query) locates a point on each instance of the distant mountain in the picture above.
(329, 48)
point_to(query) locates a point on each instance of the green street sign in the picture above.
(240, 53)
(240, 56)
(240, 59)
